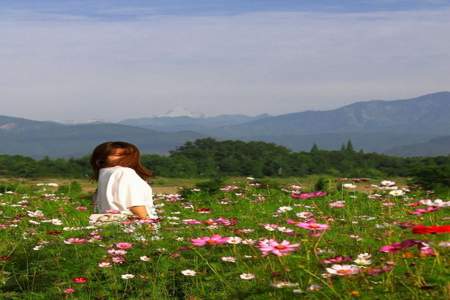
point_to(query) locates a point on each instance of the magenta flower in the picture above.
(191, 222)
(279, 249)
(421, 211)
(124, 245)
(308, 195)
(424, 248)
(72, 241)
(215, 239)
(312, 226)
(337, 259)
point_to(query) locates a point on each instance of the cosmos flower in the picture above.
(337, 259)
(191, 222)
(69, 291)
(71, 241)
(436, 203)
(247, 276)
(396, 193)
(234, 240)
(215, 239)
(343, 270)
(363, 259)
(80, 279)
(337, 204)
(104, 264)
(228, 259)
(124, 245)
(422, 229)
(127, 276)
(424, 248)
(421, 211)
(304, 196)
(188, 272)
(312, 226)
(349, 186)
(279, 249)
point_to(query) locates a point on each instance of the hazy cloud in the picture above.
(58, 66)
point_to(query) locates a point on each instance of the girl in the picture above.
(122, 184)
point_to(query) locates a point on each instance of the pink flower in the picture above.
(312, 226)
(222, 221)
(422, 211)
(215, 239)
(69, 291)
(118, 259)
(71, 241)
(124, 245)
(80, 279)
(117, 252)
(191, 222)
(337, 204)
(424, 248)
(308, 195)
(113, 211)
(279, 249)
(337, 259)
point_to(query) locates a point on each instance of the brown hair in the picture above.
(131, 158)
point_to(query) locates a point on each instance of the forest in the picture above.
(206, 158)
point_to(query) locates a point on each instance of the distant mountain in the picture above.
(433, 147)
(417, 126)
(38, 139)
(204, 125)
(375, 125)
(424, 114)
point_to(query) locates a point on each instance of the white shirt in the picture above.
(120, 188)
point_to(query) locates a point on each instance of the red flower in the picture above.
(422, 229)
(80, 280)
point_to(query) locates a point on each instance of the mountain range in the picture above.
(408, 127)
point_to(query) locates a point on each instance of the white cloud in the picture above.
(61, 67)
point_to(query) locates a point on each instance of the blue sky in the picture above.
(111, 60)
(104, 9)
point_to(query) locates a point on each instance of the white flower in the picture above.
(396, 193)
(248, 242)
(343, 270)
(127, 276)
(437, 202)
(387, 183)
(284, 284)
(444, 244)
(304, 214)
(35, 214)
(144, 258)
(104, 264)
(234, 240)
(229, 259)
(56, 222)
(247, 276)
(188, 272)
(284, 209)
(285, 229)
(349, 186)
(363, 259)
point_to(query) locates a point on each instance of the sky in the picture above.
(113, 60)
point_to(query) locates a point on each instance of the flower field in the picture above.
(246, 241)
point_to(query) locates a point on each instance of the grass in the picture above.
(36, 263)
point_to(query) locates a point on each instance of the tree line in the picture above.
(210, 158)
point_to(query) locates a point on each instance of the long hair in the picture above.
(131, 158)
